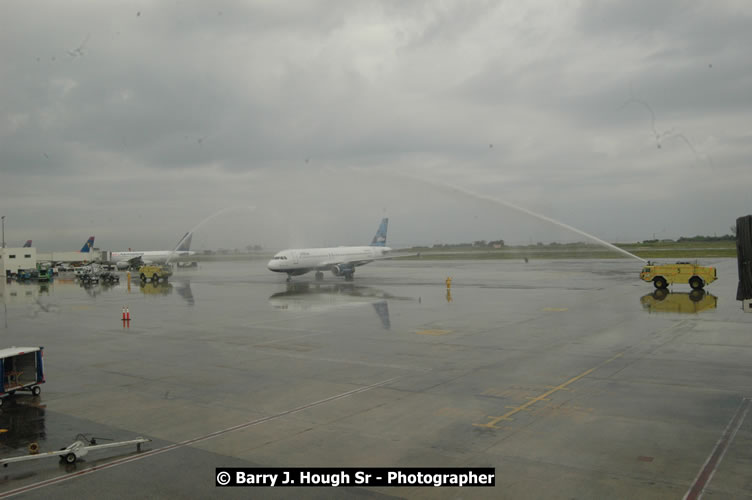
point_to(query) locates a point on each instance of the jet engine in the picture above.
(342, 269)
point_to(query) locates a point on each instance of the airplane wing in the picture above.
(356, 263)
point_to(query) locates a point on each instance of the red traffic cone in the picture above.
(123, 313)
(127, 314)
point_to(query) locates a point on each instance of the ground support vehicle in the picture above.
(154, 272)
(663, 275)
(22, 370)
(79, 448)
(45, 274)
(109, 277)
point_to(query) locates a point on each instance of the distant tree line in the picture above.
(475, 244)
(725, 237)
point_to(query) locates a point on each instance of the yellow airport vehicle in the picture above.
(154, 272)
(663, 275)
(663, 301)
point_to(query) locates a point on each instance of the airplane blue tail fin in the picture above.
(379, 240)
(184, 245)
(88, 245)
(27, 244)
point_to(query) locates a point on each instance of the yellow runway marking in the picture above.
(555, 309)
(433, 332)
(542, 397)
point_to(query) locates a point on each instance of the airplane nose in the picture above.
(271, 265)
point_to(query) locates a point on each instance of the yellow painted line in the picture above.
(433, 332)
(542, 397)
(555, 309)
(3, 430)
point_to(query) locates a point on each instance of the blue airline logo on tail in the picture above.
(379, 240)
(88, 245)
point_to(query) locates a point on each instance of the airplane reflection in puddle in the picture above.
(183, 289)
(308, 297)
(693, 302)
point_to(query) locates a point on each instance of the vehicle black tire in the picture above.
(143, 277)
(2, 400)
(36, 390)
(155, 277)
(70, 458)
(696, 283)
(660, 282)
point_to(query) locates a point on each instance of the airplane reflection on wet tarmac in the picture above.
(324, 297)
(664, 301)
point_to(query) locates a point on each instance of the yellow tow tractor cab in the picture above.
(663, 275)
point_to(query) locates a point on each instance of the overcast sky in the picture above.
(306, 122)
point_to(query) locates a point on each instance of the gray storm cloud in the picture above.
(135, 122)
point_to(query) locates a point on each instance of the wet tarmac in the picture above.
(571, 378)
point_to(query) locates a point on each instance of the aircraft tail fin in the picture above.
(27, 244)
(88, 245)
(184, 245)
(379, 240)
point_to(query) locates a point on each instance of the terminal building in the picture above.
(14, 259)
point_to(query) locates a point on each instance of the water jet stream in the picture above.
(227, 209)
(491, 199)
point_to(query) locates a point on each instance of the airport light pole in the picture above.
(3, 217)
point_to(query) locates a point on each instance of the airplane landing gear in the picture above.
(349, 277)
(319, 276)
(289, 278)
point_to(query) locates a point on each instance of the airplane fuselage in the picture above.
(151, 256)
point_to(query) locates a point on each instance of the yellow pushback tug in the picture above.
(663, 275)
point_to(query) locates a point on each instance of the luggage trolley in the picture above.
(22, 370)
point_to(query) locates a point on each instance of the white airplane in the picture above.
(341, 261)
(123, 260)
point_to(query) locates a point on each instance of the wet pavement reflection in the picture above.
(22, 422)
(665, 301)
(320, 297)
(183, 289)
